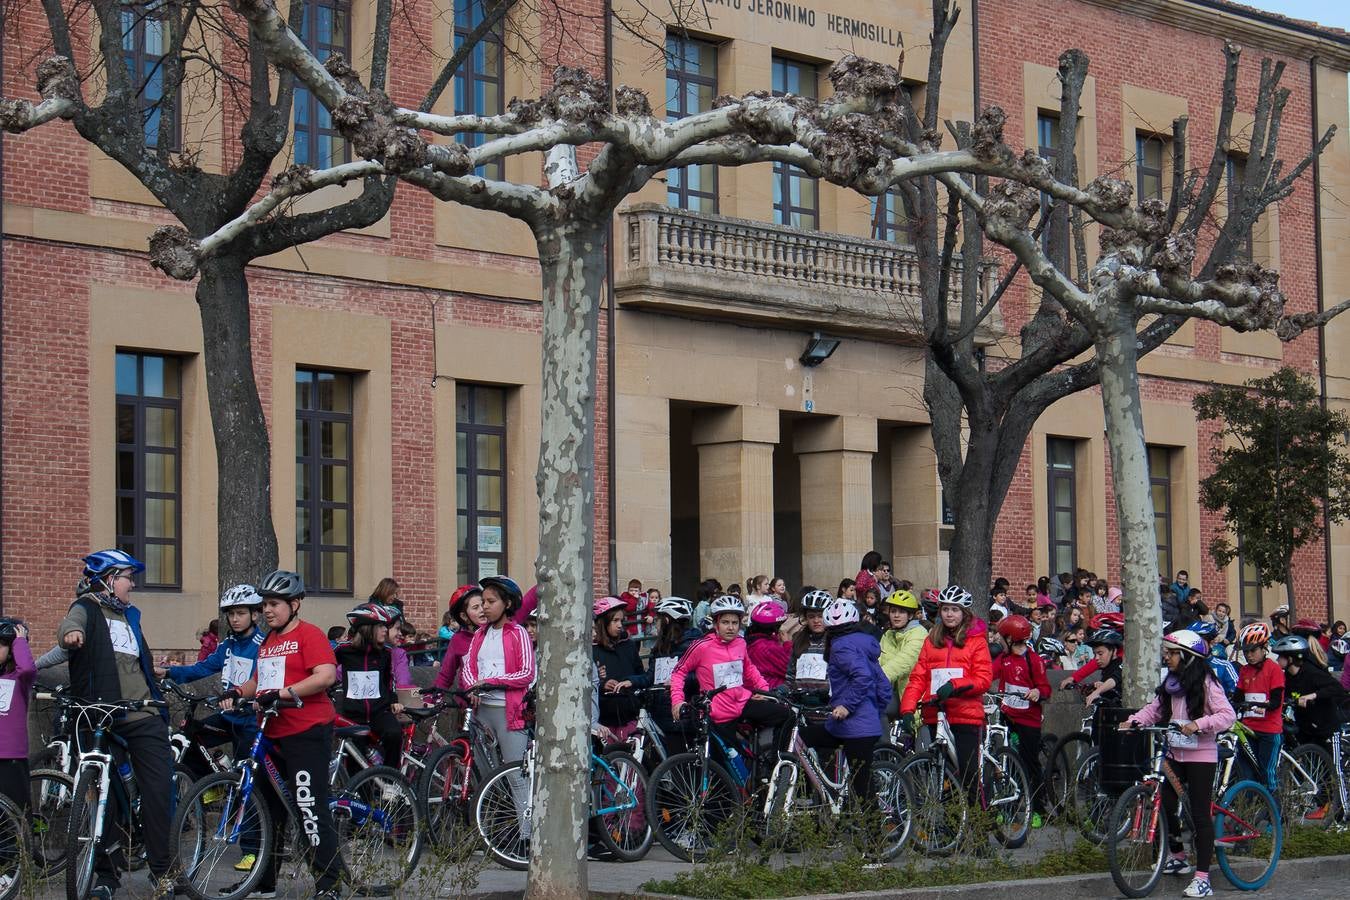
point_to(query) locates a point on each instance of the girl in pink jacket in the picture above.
(1191, 698)
(501, 657)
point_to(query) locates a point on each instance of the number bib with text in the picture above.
(727, 674)
(272, 673)
(363, 685)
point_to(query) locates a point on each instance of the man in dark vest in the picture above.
(110, 661)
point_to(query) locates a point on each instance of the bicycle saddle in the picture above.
(418, 713)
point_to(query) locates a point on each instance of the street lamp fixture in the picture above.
(818, 349)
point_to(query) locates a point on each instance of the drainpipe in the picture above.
(1321, 305)
(610, 391)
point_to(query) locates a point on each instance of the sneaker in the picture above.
(5, 882)
(1199, 887)
(1037, 821)
(1319, 814)
(102, 892)
(327, 895)
(246, 862)
(1178, 865)
(262, 894)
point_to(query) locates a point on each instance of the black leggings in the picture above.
(302, 760)
(967, 739)
(388, 730)
(857, 750)
(1029, 750)
(14, 781)
(1198, 777)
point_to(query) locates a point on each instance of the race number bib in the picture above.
(1019, 701)
(363, 685)
(6, 695)
(812, 667)
(237, 670)
(939, 677)
(1249, 697)
(272, 673)
(1178, 741)
(123, 641)
(727, 674)
(662, 668)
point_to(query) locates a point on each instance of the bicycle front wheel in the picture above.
(1247, 830)
(939, 803)
(1063, 760)
(216, 825)
(379, 826)
(891, 802)
(446, 789)
(50, 793)
(1307, 789)
(13, 849)
(81, 835)
(690, 803)
(1007, 793)
(504, 818)
(1136, 840)
(619, 806)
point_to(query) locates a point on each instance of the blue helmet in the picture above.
(101, 562)
(1206, 630)
(509, 589)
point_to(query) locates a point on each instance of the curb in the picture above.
(1065, 887)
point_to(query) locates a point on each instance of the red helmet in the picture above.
(1113, 620)
(1015, 628)
(461, 596)
(1306, 627)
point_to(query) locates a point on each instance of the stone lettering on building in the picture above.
(799, 14)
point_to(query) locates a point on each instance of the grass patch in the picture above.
(1302, 843)
(850, 875)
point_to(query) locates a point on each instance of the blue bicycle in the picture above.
(223, 817)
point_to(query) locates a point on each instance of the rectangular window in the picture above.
(325, 27)
(480, 480)
(145, 41)
(1063, 508)
(323, 480)
(1047, 146)
(1160, 484)
(149, 478)
(691, 87)
(1236, 175)
(478, 83)
(1148, 164)
(796, 196)
(1249, 586)
(888, 217)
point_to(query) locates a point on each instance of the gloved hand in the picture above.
(945, 691)
(781, 692)
(907, 723)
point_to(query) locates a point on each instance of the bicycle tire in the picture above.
(1250, 812)
(1012, 822)
(207, 837)
(14, 836)
(1065, 756)
(1091, 806)
(626, 833)
(501, 813)
(1312, 803)
(939, 803)
(1128, 846)
(80, 840)
(895, 802)
(793, 807)
(50, 792)
(448, 812)
(380, 830)
(686, 818)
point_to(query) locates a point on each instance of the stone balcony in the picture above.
(708, 266)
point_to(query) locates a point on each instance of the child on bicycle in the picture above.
(500, 658)
(954, 669)
(366, 673)
(619, 666)
(1021, 672)
(770, 651)
(902, 641)
(1191, 698)
(674, 634)
(1316, 694)
(808, 674)
(1259, 701)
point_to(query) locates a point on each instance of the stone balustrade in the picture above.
(735, 268)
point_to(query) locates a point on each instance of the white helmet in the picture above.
(240, 595)
(675, 607)
(955, 595)
(816, 601)
(726, 604)
(842, 611)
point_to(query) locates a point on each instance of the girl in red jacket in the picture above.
(954, 669)
(1023, 674)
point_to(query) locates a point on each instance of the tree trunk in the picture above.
(1289, 589)
(1117, 353)
(970, 562)
(572, 259)
(246, 539)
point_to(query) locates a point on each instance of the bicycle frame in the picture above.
(835, 792)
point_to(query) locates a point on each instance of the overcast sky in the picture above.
(1324, 12)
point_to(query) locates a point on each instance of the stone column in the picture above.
(916, 508)
(735, 491)
(642, 489)
(835, 457)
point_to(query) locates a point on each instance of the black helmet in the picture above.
(1106, 637)
(9, 629)
(283, 584)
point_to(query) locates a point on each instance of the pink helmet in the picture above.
(768, 612)
(606, 604)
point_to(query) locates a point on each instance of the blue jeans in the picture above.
(1267, 749)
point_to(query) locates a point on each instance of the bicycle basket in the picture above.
(1124, 757)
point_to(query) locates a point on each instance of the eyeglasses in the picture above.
(1072, 641)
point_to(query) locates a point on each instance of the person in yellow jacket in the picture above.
(900, 644)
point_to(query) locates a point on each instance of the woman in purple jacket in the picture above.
(859, 693)
(17, 672)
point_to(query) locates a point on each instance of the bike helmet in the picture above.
(104, 562)
(1052, 647)
(461, 596)
(509, 590)
(1187, 641)
(605, 605)
(955, 595)
(9, 629)
(1255, 634)
(1105, 637)
(1294, 645)
(1206, 630)
(816, 601)
(370, 613)
(1015, 628)
(1341, 645)
(726, 604)
(240, 595)
(903, 599)
(929, 604)
(1280, 612)
(768, 612)
(283, 584)
(1112, 620)
(705, 624)
(841, 611)
(675, 607)
(1306, 627)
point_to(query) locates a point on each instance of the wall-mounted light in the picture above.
(818, 349)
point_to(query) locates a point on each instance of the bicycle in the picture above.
(940, 804)
(1302, 775)
(1247, 828)
(647, 741)
(452, 774)
(378, 821)
(14, 849)
(1072, 776)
